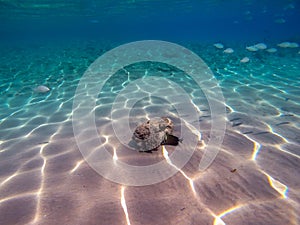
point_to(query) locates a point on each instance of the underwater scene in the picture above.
(131, 112)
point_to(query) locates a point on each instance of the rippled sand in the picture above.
(254, 179)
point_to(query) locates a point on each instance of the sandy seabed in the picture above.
(253, 180)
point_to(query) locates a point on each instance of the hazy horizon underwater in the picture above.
(227, 77)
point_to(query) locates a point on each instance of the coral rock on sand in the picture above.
(150, 135)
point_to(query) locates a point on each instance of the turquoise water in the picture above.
(44, 178)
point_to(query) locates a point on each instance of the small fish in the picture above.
(205, 116)
(149, 151)
(171, 140)
(237, 124)
(263, 132)
(45, 142)
(248, 132)
(233, 170)
(245, 60)
(286, 115)
(228, 50)
(234, 119)
(282, 123)
(228, 110)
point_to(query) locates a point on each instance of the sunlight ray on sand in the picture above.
(282, 189)
(279, 148)
(256, 147)
(244, 206)
(124, 206)
(40, 191)
(277, 134)
(218, 220)
(9, 178)
(37, 128)
(115, 156)
(191, 182)
(76, 166)
(43, 177)
(22, 195)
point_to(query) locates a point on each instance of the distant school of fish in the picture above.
(258, 47)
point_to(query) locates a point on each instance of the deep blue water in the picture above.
(167, 20)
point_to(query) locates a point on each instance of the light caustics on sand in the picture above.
(278, 146)
(115, 156)
(9, 178)
(193, 129)
(273, 132)
(1, 142)
(281, 188)
(256, 148)
(275, 184)
(166, 155)
(124, 206)
(22, 195)
(36, 194)
(191, 182)
(76, 166)
(39, 127)
(218, 219)
(39, 192)
(226, 105)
